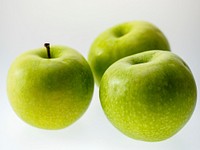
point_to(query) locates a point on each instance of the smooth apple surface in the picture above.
(123, 40)
(148, 96)
(50, 93)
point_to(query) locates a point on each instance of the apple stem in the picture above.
(47, 45)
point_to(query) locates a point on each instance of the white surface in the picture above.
(27, 24)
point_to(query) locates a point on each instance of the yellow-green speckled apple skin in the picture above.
(148, 96)
(50, 93)
(123, 40)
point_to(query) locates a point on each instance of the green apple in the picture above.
(148, 96)
(123, 40)
(52, 89)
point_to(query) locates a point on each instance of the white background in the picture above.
(27, 24)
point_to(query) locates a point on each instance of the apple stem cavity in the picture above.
(47, 45)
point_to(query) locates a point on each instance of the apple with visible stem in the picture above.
(123, 40)
(148, 96)
(52, 89)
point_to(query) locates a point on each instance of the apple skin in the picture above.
(148, 96)
(50, 93)
(123, 40)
